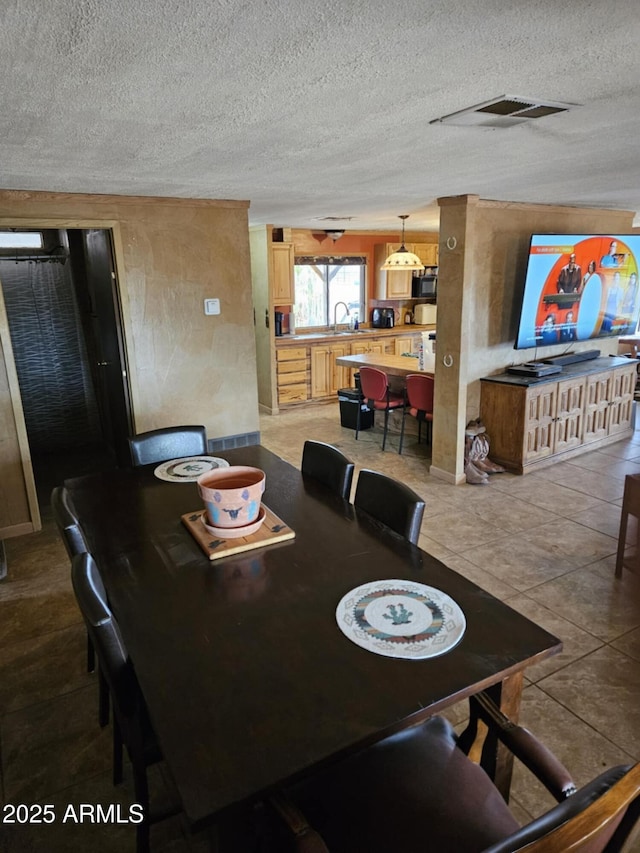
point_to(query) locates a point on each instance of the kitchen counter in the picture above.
(348, 334)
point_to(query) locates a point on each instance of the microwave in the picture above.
(424, 286)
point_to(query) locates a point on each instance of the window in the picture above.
(20, 240)
(321, 283)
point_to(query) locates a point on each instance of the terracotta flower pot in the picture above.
(232, 496)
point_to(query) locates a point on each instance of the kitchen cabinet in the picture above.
(368, 346)
(427, 252)
(326, 376)
(292, 374)
(396, 284)
(281, 273)
(308, 372)
(533, 424)
(391, 284)
(407, 343)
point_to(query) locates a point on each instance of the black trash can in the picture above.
(350, 399)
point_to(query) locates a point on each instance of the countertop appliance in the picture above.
(424, 315)
(425, 286)
(382, 318)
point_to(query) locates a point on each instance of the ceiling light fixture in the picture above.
(403, 259)
(335, 235)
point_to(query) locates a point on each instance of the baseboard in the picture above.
(447, 476)
(229, 442)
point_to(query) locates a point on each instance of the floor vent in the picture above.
(505, 111)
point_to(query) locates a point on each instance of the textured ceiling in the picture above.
(313, 110)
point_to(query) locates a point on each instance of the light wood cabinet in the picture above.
(427, 252)
(408, 343)
(368, 346)
(292, 375)
(533, 425)
(391, 284)
(326, 376)
(281, 272)
(310, 373)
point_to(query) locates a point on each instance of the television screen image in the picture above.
(579, 287)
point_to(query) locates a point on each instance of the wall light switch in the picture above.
(211, 306)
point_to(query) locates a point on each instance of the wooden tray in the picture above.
(273, 530)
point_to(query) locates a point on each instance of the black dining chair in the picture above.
(69, 528)
(391, 502)
(159, 445)
(131, 725)
(329, 466)
(417, 791)
(375, 390)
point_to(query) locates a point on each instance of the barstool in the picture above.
(630, 506)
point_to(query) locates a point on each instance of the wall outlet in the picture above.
(211, 306)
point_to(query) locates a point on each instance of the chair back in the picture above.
(420, 392)
(109, 645)
(158, 445)
(329, 466)
(390, 502)
(66, 520)
(373, 383)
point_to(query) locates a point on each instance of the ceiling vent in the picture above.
(505, 111)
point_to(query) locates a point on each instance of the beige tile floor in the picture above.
(544, 543)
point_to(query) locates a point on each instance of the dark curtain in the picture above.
(50, 354)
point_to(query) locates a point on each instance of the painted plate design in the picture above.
(401, 619)
(188, 469)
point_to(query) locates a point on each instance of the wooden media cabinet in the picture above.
(533, 423)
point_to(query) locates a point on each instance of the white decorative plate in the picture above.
(401, 619)
(188, 469)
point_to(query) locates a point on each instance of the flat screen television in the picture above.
(579, 287)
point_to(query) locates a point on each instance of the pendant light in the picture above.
(403, 259)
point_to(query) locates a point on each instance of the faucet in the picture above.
(335, 314)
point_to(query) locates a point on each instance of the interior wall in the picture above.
(259, 243)
(483, 254)
(171, 254)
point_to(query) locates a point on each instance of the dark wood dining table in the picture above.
(249, 681)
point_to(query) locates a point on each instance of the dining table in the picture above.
(249, 680)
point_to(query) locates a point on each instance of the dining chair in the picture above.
(418, 790)
(69, 528)
(391, 502)
(419, 391)
(628, 555)
(158, 445)
(131, 725)
(329, 466)
(375, 389)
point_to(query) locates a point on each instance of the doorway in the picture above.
(62, 305)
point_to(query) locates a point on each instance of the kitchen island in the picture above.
(392, 365)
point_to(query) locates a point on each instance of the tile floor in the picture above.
(544, 543)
